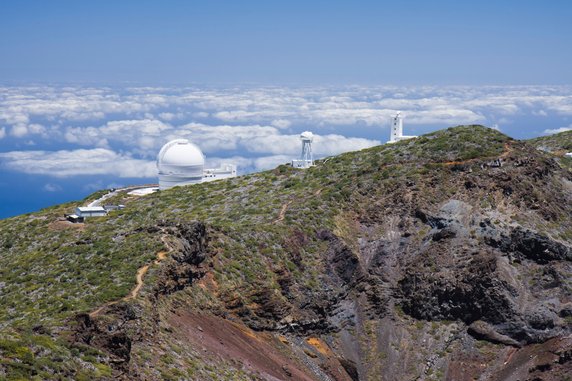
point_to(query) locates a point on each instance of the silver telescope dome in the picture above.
(180, 162)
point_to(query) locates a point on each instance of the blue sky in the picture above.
(287, 42)
(90, 90)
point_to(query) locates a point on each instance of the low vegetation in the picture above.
(262, 226)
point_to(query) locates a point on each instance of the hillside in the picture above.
(556, 143)
(443, 257)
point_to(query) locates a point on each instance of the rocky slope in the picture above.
(444, 257)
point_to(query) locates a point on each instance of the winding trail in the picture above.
(285, 206)
(161, 255)
(507, 150)
(140, 274)
(282, 212)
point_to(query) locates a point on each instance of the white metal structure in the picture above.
(90, 211)
(223, 172)
(180, 162)
(306, 159)
(396, 133)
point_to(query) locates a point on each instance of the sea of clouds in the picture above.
(65, 131)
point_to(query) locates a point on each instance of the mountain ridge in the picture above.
(337, 272)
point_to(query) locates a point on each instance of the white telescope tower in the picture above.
(396, 133)
(306, 159)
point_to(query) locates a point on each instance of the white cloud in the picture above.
(49, 187)
(99, 184)
(323, 145)
(282, 107)
(97, 161)
(146, 142)
(258, 125)
(445, 117)
(137, 134)
(201, 115)
(19, 105)
(167, 116)
(328, 145)
(243, 163)
(558, 130)
(269, 162)
(19, 130)
(170, 116)
(221, 137)
(149, 127)
(281, 123)
(246, 164)
(264, 140)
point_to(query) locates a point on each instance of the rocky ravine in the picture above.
(448, 257)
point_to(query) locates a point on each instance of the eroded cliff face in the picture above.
(443, 258)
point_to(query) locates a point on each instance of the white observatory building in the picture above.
(306, 159)
(396, 133)
(181, 162)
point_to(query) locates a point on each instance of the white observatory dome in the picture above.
(180, 162)
(307, 135)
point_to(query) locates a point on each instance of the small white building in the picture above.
(74, 218)
(90, 211)
(396, 133)
(307, 158)
(223, 172)
(569, 154)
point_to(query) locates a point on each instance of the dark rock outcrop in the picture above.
(484, 331)
(523, 244)
(184, 265)
(109, 334)
(468, 293)
(342, 261)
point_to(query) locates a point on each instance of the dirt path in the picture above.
(285, 206)
(161, 255)
(507, 150)
(140, 274)
(510, 353)
(282, 212)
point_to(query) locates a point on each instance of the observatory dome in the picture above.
(180, 162)
(307, 135)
